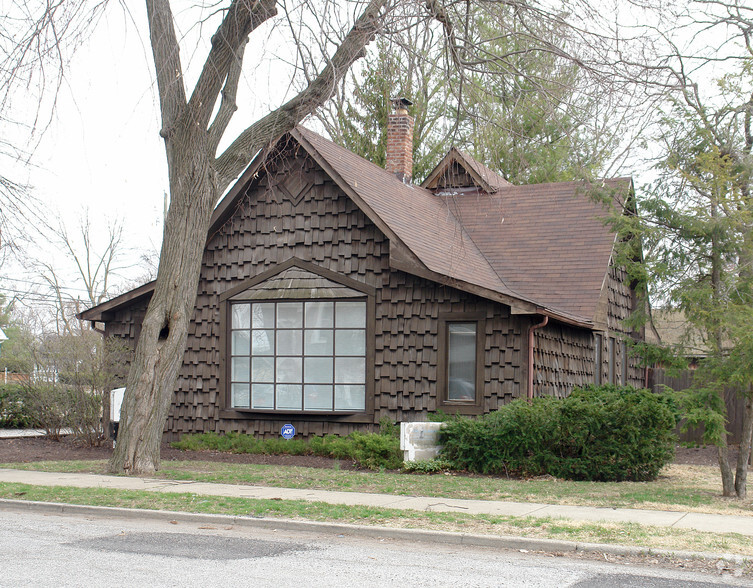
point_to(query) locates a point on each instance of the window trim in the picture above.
(224, 379)
(598, 357)
(443, 321)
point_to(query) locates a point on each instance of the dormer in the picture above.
(458, 172)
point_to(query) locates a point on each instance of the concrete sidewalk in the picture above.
(19, 433)
(713, 523)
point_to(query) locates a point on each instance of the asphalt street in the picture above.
(69, 550)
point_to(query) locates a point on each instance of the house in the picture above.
(334, 292)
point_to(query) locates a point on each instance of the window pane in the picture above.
(350, 397)
(241, 343)
(350, 342)
(262, 342)
(289, 342)
(289, 396)
(263, 396)
(289, 315)
(289, 369)
(319, 314)
(263, 369)
(318, 370)
(350, 314)
(318, 342)
(317, 397)
(240, 369)
(461, 357)
(239, 395)
(263, 315)
(350, 370)
(241, 316)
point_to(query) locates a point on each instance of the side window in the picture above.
(624, 363)
(612, 360)
(461, 362)
(598, 360)
(461, 353)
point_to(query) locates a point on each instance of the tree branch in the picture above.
(241, 19)
(166, 52)
(230, 163)
(228, 105)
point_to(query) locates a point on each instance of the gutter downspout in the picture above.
(531, 329)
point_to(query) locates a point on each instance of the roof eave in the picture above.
(95, 313)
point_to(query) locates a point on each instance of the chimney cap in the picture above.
(400, 103)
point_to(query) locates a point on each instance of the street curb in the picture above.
(426, 536)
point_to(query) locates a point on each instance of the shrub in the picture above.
(427, 466)
(596, 433)
(615, 434)
(374, 451)
(14, 410)
(240, 443)
(50, 408)
(515, 440)
(369, 450)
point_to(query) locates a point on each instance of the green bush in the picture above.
(608, 433)
(597, 433)
(427, 466)
(14, 410)
(374, 451)
(240, 443)
(515, 440)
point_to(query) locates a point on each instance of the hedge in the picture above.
(603, 433)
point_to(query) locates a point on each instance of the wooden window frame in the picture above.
(612, 352)
(369, 295)
(474, 406)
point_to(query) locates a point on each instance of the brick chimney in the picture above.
(399, 156)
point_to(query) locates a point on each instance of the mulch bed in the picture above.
(41, 449)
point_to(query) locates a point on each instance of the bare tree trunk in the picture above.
(728, 479)
(159, 352)
(741, 475)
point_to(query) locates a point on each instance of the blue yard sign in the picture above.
(287, 431)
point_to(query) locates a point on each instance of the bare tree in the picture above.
(94, 265)
(37, 39)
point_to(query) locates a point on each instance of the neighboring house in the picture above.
(670, 328)
(334, 293)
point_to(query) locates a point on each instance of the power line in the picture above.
(46, 284)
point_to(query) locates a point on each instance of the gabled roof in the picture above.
(548, 241)
(540, 249)
(484, 177)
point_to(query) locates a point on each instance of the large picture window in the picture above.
(298, 355)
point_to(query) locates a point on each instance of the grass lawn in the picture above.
(679, 487)
(615, 533)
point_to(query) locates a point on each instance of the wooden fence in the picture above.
(657, 378)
